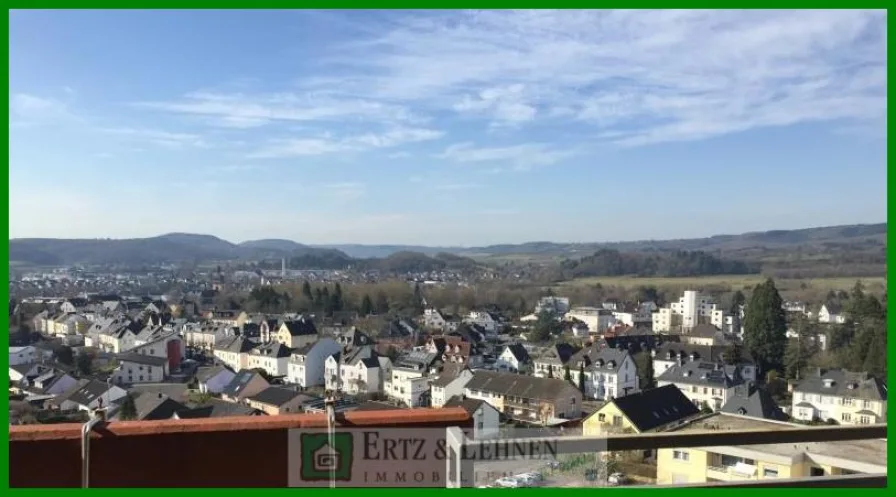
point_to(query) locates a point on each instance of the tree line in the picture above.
(609, 262)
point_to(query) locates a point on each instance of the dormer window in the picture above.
(828, 383)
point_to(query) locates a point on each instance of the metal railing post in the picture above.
(99, 416)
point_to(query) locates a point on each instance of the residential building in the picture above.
(764, 462)
(514, 358)
(708, 385)
(691, 309)
(353, 337)
(597, 319)
(447, 385)
(409, 382)
(297, 333)
(551, 362)
(557, 306)
(454, 349)
(847, 397)
(272, 357)
(234, 352)
(306, 365)
(245, 383)
(656, 409)
(357, 371)
(755, 402)
(213, 379)
(526, 398)
(155, 407)
(488, 321)
(49, 382)
(486, 419)
(635, 315)
(609, 373)
(668, 354)
(139, 368)
(434, 319)
(274, 401)
(92, 395)
(704, 334)
(831, 314)
(22, 355)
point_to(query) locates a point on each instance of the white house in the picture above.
(22, 355)
(94, 394)
(705, 384)
(214, 379)
(609, 373)
(831, 314)
(306, 365)
(514, 358)
(488, 321)
(690, 310)
(486, 419)
(847, 397)
(445, 386)
(234, 352)
(50, 383)
(410, 380)
(139, 368)
(597, 320)
(272, 357)
(356, 371)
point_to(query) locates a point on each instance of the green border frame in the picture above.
(399, 4)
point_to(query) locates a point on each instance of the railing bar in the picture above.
(866, 481)
(707, 438)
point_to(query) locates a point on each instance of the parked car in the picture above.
(530, 478)
(508, 482)
(617, 479)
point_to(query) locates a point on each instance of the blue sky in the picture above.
(452, 128)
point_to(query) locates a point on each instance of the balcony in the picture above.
(212, 452)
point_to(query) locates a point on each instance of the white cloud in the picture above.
(327, 144)
(660, 75)
(157, 137)
(238, 110)
(521, 156)
(32, 109)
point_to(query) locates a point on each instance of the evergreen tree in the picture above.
(765, 327)
(64, 355)
(566, 374)
(84, 363)
(128, 409)
(550, 370)
(318, 301)
(366, 306)
(338, 299)
(306, 291)
(648, 372)
(582, 378)
(382, 303)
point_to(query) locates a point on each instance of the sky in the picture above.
(459, 128)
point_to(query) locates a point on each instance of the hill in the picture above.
(170, 248)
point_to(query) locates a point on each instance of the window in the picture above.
(601, 417)
(770, 473)
(846, 417)
(481, 425)
(705, 390)
(680, 455)
(617, 420)
(141, 377)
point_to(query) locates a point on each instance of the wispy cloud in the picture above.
(521, 156)
(158, 137)
(345, 191)
(26, 109)
(654, 76)
(453, 187)
(327, 144)
(239, 110)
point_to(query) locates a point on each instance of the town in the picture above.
(556, 368)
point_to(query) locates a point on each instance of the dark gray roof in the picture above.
(205, 374)
(301, 327)
(598, 359)
(236, 344)
(833, 308)
(749, 400)
(214, 408)
(703, 353)
(365, 355)
(657, 407)
(176, 391)
(89, 392)
(273, 350)
(704, 330)
(149, 360)
(156, 406)
(416, 359)
(469, 405)
(843, 383)
(713, 375)
(277, 396)
(558, 354)
(516, 385)
(519, 352)
(239, 382)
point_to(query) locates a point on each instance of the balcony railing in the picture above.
(460, 469)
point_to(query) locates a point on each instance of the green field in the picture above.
(735, 282)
